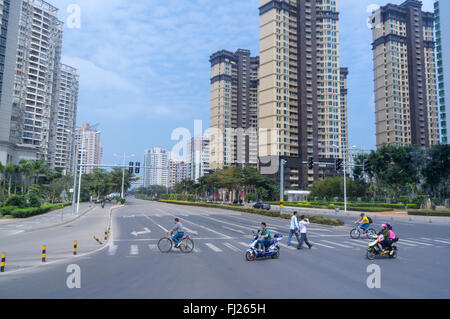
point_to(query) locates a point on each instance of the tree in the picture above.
(10, 170)
(437, 171)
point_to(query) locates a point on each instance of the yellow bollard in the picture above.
(44, 255)
(106, 234)
(2, 266)
(75, 244)
(98, 241)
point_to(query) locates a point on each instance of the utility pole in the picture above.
(345, 182)
(81, 172)
(123, 173)
(282, 163)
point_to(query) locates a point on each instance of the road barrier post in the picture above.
(44, 255)
(75, 244)
(2, 266)
(106, 234)
(98, 241)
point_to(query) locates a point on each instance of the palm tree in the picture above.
(38, 167)
(2, 171)
(27, 171)
(10, 169)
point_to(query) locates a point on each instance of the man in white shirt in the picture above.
(294, 229)
(303, 223)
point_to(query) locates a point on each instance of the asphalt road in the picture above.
(130, 265)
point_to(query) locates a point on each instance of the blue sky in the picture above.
(144, 64)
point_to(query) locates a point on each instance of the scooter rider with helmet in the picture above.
(383, 237)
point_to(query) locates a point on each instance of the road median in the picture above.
(313, 219)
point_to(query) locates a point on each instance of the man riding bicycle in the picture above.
(179, 232)
(365, 222)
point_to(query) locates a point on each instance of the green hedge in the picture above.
(429, 212)
(17, 212)
(352, 206)
(313, 219)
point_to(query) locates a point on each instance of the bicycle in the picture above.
(356, 232)
(165, 244)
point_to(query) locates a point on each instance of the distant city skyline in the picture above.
(164, 80)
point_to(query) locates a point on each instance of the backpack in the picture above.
(392, 235)
(370, 219)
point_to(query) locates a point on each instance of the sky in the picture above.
(144, 64)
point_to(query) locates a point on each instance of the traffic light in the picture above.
(365, 165)
(311, 163)
(130, 167)
(338, 164)
(137, 168)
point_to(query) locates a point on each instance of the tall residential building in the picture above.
(177, 172)
(442, 24)
(89, 147)
(300, 101)
(65, 119)
(157, 159)
(30, 52)
(36, 76)
(198, 154)
(234, 109)
(405, 75)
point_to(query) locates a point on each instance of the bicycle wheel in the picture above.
(371, 232)
(354, 233)
(187, 245)
(164, 245)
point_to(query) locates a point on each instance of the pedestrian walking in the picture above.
(294, 229)
(303, 238)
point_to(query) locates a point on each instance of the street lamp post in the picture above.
(282, 163)
(345, 175)
(123, 173)
(75, 155)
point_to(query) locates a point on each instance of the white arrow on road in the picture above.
(146, 231)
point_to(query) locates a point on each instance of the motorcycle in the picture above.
(375, 249)
(273, 249)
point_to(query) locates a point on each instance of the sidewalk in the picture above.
(54, 218)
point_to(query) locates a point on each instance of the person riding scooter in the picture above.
(264, 237)
(383, 238)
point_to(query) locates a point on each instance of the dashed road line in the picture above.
(337, 244)
(134, 250)
(231, 247)
(213, 247)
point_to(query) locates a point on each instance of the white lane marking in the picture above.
(196, 250)
(208, 229)
(243, 244)
(286, 246)
(212, 247)
(231, 246)
(337, 244)
(153, 247)
(112, 250)
(407, 244)
(441, 241)
(134, 250)
(415, 242)
(235, 230)
(321, 229)
(166, 230)
(357, 244)
(316, 243)
(426, 238)
(191, 231)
